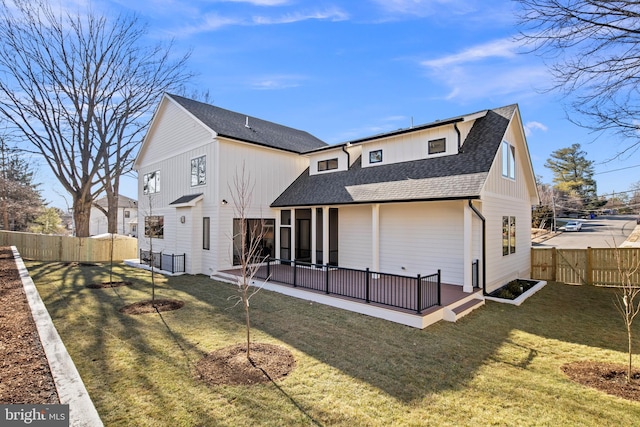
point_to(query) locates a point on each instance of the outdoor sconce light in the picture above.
(224, 202)
(182, 219)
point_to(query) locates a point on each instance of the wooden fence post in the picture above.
(589, 268)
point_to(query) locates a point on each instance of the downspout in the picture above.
(348, 157)
(484, 247)
(455, 127)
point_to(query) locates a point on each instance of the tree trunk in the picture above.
(112, 213)
(82, 215)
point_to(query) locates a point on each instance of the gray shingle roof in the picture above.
(261, 132)
(186, 199)
(447, 177)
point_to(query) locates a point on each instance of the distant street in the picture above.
(601, 232)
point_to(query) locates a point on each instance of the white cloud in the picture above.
(529, 127)
(277, 81)
(214, 21)
(503, 48)
(425, 7)
(262, 2)
(491, 71)
(334, 14)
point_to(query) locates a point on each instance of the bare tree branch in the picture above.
(594, 51)
(80, 89)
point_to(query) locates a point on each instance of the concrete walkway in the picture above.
(71, 389)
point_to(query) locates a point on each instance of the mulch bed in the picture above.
(230, 365)
(155, 306)
(25, 374)
(607, 377)
(107, 285)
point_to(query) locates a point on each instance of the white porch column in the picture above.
(467, 233)
(313, 235)
(375, 237)
(325, 235)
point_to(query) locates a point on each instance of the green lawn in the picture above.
(498, 366)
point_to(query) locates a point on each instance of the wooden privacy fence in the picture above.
(43, 247)
(590, 266)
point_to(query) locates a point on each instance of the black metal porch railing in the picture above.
(411, 293)
(162, 261)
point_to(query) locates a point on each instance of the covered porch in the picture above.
(413, 301)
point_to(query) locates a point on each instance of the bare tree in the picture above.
(593, 47)
(248, 238)
(628, 298)
(80, 89)
(153, 228)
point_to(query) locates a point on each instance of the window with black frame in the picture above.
(259, 239)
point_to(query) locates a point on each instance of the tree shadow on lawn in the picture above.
(119, 348)
(404, 362)
(408, 363)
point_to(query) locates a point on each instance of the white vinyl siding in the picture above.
(354, 241)
(420, 238)
(413, 146)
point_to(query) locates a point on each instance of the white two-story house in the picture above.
(441, 196)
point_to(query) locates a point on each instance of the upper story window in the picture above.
(375, 156)
(508, 160)
(198, 171)
(325, 165)
(437, 146)
(127, 214)
(151, 182)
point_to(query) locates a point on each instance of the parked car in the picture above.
(573, 226)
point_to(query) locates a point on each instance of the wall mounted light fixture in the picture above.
(224, 202)
(183, 219)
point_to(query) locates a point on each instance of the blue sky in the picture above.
(347, 69)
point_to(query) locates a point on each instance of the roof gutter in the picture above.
(484, 246)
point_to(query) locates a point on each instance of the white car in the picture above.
(573, 226)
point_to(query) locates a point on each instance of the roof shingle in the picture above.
(448, 177)
(250, 129)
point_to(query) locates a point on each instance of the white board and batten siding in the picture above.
(354, 236)
(268, 170)
(508, 197)
(414, 146)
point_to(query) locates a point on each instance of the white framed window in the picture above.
(151, 182)
(375, 156)
(508, 160)
(508, 235)
(199, 171)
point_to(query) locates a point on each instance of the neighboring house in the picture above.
(127, 217)
(438, 196)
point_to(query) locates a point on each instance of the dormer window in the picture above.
(437, 146)
(375, 156)
(326, 165)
